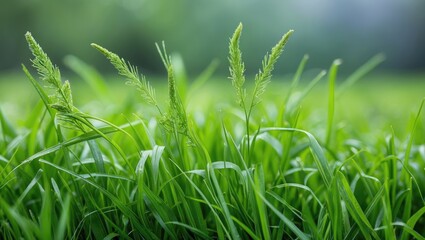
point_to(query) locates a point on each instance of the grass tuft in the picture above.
(214, 170)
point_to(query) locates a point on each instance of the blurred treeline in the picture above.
(199, 31)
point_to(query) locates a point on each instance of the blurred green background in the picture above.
(199, 31)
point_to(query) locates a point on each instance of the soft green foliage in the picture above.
(279, 172)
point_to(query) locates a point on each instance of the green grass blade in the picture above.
(259, 185)
(408, 229)
(412, 133)
(285, 220)
(223, 204)
(97, 155)
(22, 227)
(316, 149)
(30, 186)
(82, 138)
(192, 229)
(119, 204)
(156, 156)
(160, 211)
(302, 187)
(354, 231)
(331, 98)
(6, 127)
(43, 95)
(354, 207)
(247, 229)
(412, 222)
(46, 213)
(212, 207)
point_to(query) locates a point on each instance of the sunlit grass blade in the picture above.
(331, 99)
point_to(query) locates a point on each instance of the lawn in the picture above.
(313, 155)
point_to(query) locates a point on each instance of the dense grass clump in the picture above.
(260, 168)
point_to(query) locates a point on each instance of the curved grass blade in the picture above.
(316, 149)
(29, 187)
(285, 220)
(101, 132)
(412, 221)
(118, 202)
(191, 228)
(223, 204)
(354, 207)
(97, 155)
(23, 227)
(302, 187)
(406, 228)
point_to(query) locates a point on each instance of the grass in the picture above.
(323, 160)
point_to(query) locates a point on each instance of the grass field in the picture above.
(196, 160)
